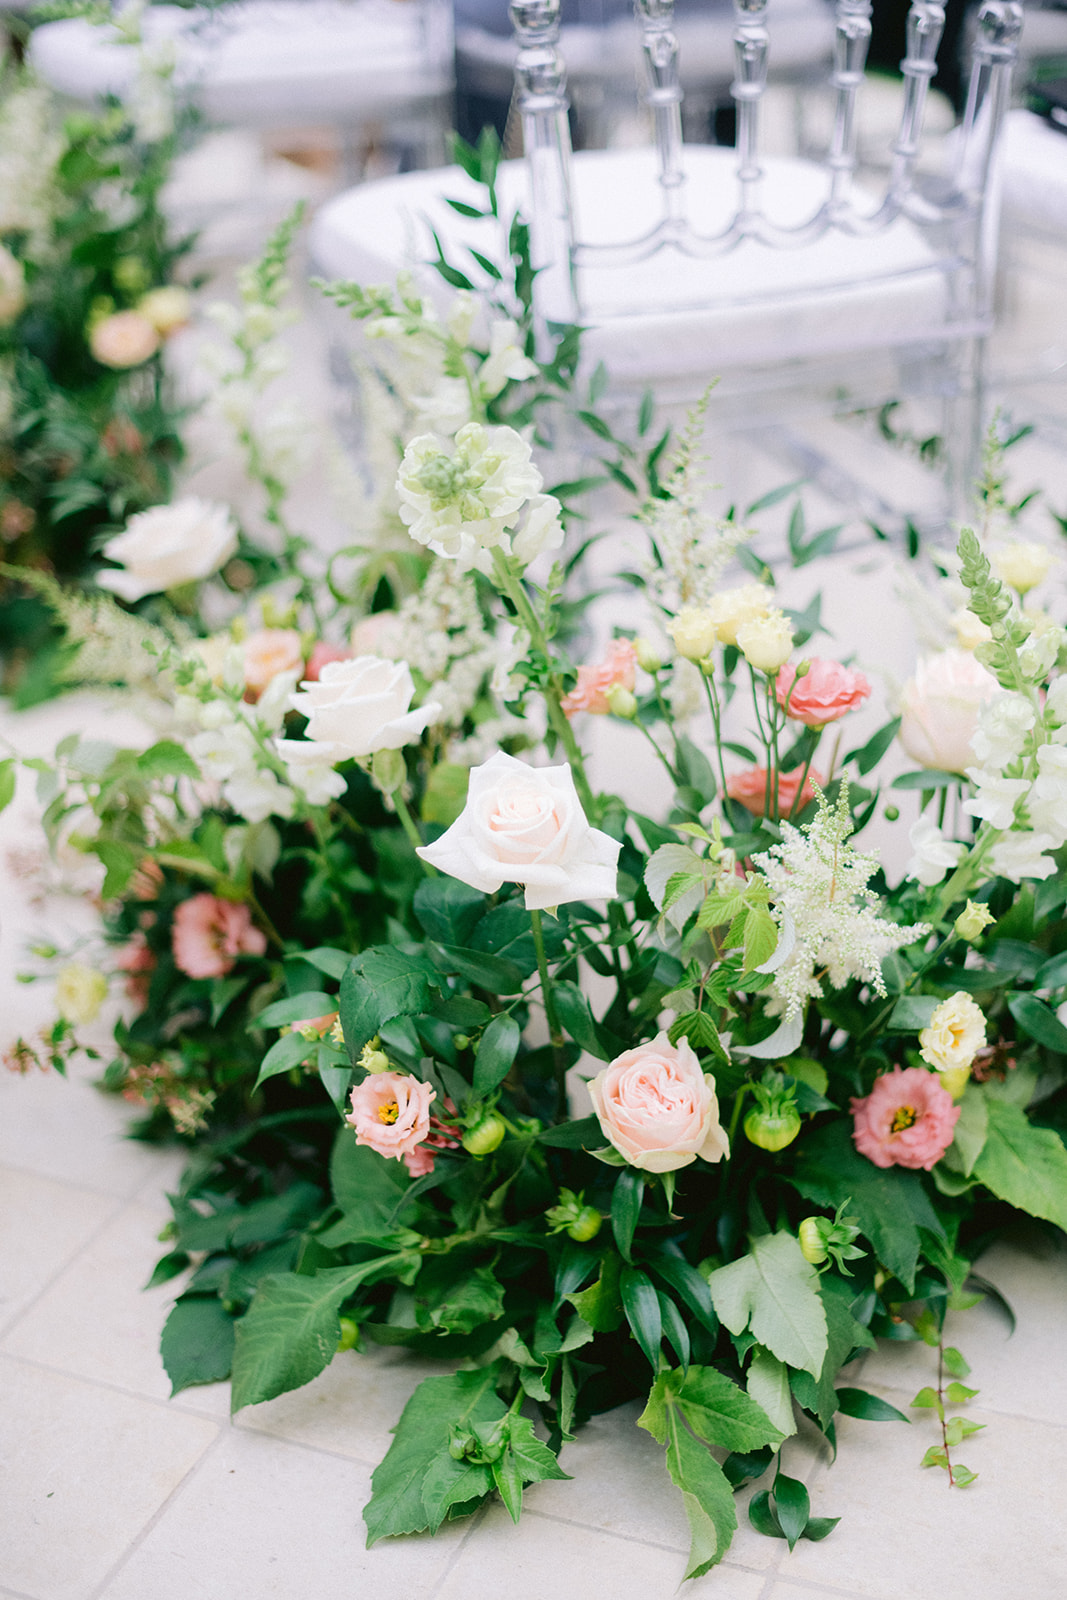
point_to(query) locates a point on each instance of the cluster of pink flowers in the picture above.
(750, 789)
(209, 934)
(907, 1120)
(391, 1114)
(270, 651)
(138, 962)
(826, 692)
(590, 692)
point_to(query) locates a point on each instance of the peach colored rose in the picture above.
(209, 934)
(125, 339)
(590, 692)
(826, 692)
(750, 788)
(391, 1113)
(907, 1120)
(939, 709)
(269, 651)
(526, 825)
(658, 1109)
(321, 654)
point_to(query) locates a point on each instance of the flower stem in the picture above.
(407, 822)
(555, 1032)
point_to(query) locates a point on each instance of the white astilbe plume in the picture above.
(821, 882)
(114, 647)
(694, 547)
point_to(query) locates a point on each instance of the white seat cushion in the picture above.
(672, 315)
(267, 61)
(1033, 171)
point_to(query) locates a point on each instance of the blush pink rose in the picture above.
(907, 1120)
(590, 692)
(391, 1113)
(750, 788)
(826, 692)
(939, 709)
(658, 1109)
(125, 339)
(321, 654)
(269, 651)
(209, 934)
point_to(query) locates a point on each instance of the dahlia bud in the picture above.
(485, 1136)
(812, 1243)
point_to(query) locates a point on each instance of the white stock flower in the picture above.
(526, 825)
(446, 409)
(465, 503)
(168, 546)
(997, 797)
(1003, 723)
(310, 770)
(541, 529)
(1047, 803)
(276, 699)
(1039, 654)
(1020, 855)
(361, 706)
(505, 362)
(1056, 707)
(934, 854)
(222, 750)
(256, 793)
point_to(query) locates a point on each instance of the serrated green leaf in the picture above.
(462, 1400)
(197, 1342)
(767, 1382)
(1024, 1165)
(447, 1303)
(706, 1492)
(774, 1291)
(719, 1412)
(448, 910)
(451, 1483)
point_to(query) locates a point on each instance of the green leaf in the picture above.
(295, 1008)
(760, 938)
(844, 1333)
(768, 1384)
(463, 1400)
(962, 1476)
(626, 1200)
(333, 962)
(601, 1304)
(889, 1204)
(451, 1483)
(868, 1407)
(448, 910)
(818, 1527)
(868, 756)
(706, 1492)
(954, 1362)
(197, 1342)
(719, 1412)
(285, 1053)
(488, 972)
(167, 760)
(971, 1131)
(912, 1012)
(536, 1461)
(369, 1189)
(449, 1303)
(1024, 1165)
(775, 1291)
(577, 1018)
(690, 1285)
(792, 1507)
(577, 1135)
(641, 1305)
(8, 779)
(701, 1032)
(1039, 1021)
(926, 1399)
(957, 1393)
(936, 1456)
(290, 1332)
(959, 1428)
(496, 1051)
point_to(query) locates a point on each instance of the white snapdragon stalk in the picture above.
(934, 854)
(821, 882)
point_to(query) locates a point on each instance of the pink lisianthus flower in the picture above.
(826, 692)
(321, 653)
(209, 934)
(907, 1120)
(750, 789)
(269, 651)
(590, 692)
(419, 1161)
(391, 1113)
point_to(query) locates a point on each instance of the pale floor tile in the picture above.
(350, 1408)
(84, 1470)
(906, 1535)
(268, 1520)
(42, 1225)
(541, 1559)
(96, 1320)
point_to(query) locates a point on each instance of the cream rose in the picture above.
(168, 546)
(732, 607)
(939, 709)
(955, 1034)
(167, 309)
(125, 339)
(80, 992)
(693, 632)
(658, 1109)
(526, 825)
(360, 706)
(766, 641)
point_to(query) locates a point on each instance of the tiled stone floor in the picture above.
(111, 1491)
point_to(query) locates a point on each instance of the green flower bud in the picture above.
(892, 813)
(461, 1041)
(649, 659)
(388, 770)
(486, 1135)
(772, 1130)
(812, 1243)
(972, 921)
(349, 1339)
(622, 702)
(573, 1217)
(586, 1225)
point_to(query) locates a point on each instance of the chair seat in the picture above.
(672, 316)
(1034, 173)
(266, 62)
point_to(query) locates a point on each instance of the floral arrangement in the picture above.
(600, 1105)
(88, 422)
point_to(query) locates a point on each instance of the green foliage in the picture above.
(774, 1291)
(197, 1342)
(1023, 1164)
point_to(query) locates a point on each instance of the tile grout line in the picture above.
(112, 1216)
(450, 1567)
(135, 1543)
(818, 1588)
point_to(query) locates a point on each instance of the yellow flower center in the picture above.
(390, 1111)
(905, 1117)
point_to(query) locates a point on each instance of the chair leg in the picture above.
(965, 422)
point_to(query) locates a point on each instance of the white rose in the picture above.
(168, 546)
(939, 709)
(766, 642)
(526, 825)
(358, 707)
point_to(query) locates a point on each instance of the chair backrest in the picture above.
(957, 207)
